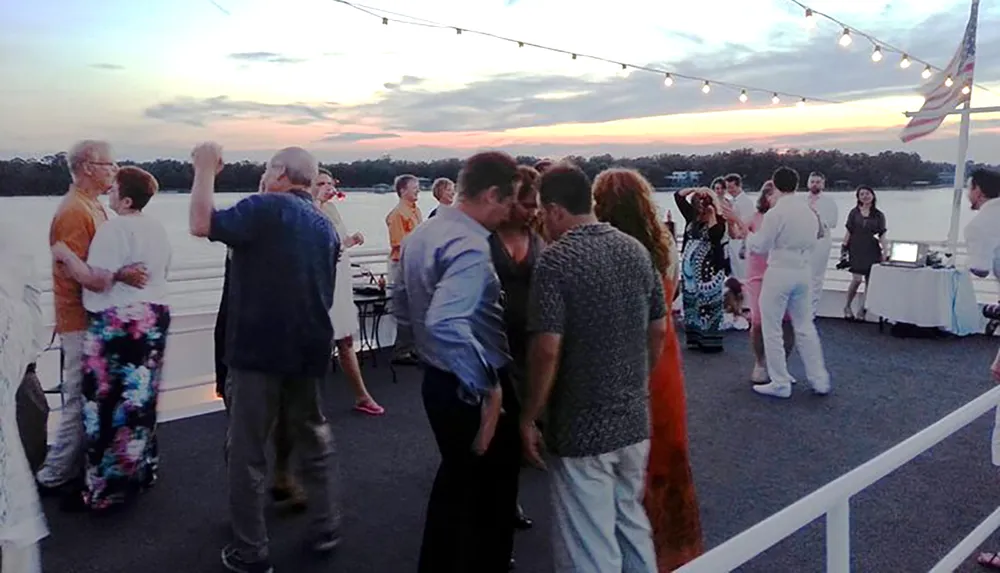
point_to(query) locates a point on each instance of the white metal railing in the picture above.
(833, 501)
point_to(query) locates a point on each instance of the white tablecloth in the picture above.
(942, 298)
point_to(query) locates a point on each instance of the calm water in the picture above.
(917, 215)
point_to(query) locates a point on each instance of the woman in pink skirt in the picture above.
(756, 265)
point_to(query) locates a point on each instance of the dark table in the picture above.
(372, 306)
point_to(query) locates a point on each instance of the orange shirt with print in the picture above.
(75, 223)
(401, 221)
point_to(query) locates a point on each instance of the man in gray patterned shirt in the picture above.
(598, 318)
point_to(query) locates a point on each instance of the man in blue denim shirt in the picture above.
(451, 297)
(278, 338)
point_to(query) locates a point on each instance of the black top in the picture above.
(281, 289)
(863, 244)
(515, 278)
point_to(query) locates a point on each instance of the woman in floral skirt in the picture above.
(124, 344)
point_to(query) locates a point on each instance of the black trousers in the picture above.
(221, 370)
(470, 515)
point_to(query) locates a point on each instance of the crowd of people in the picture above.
(536, 301)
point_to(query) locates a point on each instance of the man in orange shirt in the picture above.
(75, 223)
(401, 221)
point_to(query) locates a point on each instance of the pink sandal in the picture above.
(370, 407)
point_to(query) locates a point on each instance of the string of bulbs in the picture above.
(879, 47)
(669, 76)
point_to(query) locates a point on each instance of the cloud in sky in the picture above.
(265, 57)
(353, 137)
(370, 89)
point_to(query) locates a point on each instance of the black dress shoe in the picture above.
(512, 565)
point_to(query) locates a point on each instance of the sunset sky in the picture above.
(256, 75)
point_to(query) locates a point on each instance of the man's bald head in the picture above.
(292, 167)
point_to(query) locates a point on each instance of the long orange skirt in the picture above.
(670, 498)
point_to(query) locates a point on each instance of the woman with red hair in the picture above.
(624, 198)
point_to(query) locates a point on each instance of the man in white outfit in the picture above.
(789, 235)
(744, 208)
(828, 215)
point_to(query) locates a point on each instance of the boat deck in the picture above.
(751, 457)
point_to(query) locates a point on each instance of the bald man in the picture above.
(278, 336)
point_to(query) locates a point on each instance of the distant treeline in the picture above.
(889, 169)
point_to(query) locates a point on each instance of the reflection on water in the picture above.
(918, 215)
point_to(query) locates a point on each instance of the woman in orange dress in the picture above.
(624, 198)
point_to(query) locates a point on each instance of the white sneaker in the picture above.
(774, 389)
(759, 375)
(821, 388)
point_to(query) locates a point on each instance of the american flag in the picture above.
(938, 96)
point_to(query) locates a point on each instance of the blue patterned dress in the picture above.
(704, 269)
(122, 369)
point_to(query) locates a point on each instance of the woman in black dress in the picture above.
(864, 241)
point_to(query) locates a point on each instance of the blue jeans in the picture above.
(600, 523)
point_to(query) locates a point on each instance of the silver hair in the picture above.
(84, 151)
(301, 168)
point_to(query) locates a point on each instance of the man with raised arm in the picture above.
(284, 252)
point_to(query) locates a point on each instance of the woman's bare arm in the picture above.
(96, 280)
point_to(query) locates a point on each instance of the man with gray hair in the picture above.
(75, 223)
(278, 334)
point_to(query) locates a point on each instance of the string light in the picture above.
(966, 89)
(669, 77)
(877, 54)
(810, 19)
(948, 82)
(801, 103)
(845, 38)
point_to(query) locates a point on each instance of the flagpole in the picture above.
(959, 192)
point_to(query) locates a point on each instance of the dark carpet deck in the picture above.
(751, 457)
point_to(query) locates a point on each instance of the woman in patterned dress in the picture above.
(22, 524)
(624, 198)
(705, 265)
(124, 344)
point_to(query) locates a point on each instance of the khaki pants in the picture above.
(254, 402)
(65, 459)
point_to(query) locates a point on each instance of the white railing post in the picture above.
(838, 537)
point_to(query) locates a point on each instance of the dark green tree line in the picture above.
(889, 169)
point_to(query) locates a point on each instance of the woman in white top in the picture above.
(124, 344)
(343, 313)
(22, 523)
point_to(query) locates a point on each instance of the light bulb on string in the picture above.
(668, 80)
(574, 56)
(948, 82)
(810, 22)
(706, 88)
(775, 99)
(845, 38)
(966, 89)
(458, 31)
(520, 44)
(385, 21)
(904, 62)
(801, 103)
(743, 96)
(624, 72)
(877, 54)
(926, 74)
